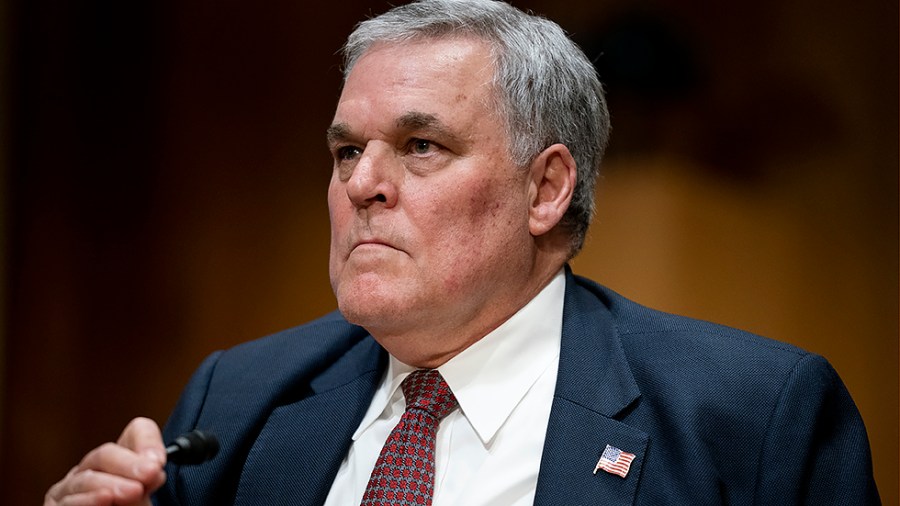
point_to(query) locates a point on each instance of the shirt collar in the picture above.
(490, 377)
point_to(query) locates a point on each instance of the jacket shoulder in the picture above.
(734, 401)
(643, 330)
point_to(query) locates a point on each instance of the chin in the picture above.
(368, 309)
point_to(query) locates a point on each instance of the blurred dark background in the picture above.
(163, 175)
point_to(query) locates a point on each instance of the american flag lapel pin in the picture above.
(614, 461)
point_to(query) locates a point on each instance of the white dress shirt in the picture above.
(488, 452)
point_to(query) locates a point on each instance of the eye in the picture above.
(421, 146)
(344, 153)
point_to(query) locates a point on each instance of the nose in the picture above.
(373, 179)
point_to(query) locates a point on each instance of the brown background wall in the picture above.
(165, 172)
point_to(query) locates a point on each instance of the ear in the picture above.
(553, 176)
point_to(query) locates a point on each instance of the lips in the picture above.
(372, 241)
(372, 244)
(365, 238)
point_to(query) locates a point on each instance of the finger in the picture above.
(98, 498)
(115, 459)
(142, 435)
(92, 499)
(96, 488)
(119, 461)
(124, 473)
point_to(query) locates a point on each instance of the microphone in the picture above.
(195, 447)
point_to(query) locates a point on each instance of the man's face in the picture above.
(429, 217)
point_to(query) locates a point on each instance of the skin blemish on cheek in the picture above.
(491, 208)
(479, 205)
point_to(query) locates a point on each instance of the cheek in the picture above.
(476, 233)
(338, 217)
(339, 211)
(493, 208)
(334, 200)
(459, 224)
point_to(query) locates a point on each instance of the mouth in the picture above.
(372, 244)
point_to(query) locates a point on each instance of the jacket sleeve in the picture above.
(816, 451)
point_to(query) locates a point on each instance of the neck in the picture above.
(432, 347)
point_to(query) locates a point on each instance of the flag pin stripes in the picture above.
(614, 461)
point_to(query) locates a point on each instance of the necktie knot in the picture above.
(426, 389)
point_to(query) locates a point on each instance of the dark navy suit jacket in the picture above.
(713, 415)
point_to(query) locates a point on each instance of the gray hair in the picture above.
(548, 91)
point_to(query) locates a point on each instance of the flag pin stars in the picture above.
(614, 461)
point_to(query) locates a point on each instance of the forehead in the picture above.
(439, 77)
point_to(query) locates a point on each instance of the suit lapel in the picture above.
(575, 441)
(594, 386)
(300, 448)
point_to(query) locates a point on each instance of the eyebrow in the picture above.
(409, 121)
(416, 120)
(337, 132)
(423, 121)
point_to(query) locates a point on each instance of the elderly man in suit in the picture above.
(467, 364)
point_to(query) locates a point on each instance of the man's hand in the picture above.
(122, 473)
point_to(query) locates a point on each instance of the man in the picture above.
(466, 143)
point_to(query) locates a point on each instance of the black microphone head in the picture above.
(193, 448)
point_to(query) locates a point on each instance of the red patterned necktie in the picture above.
(404, 472)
